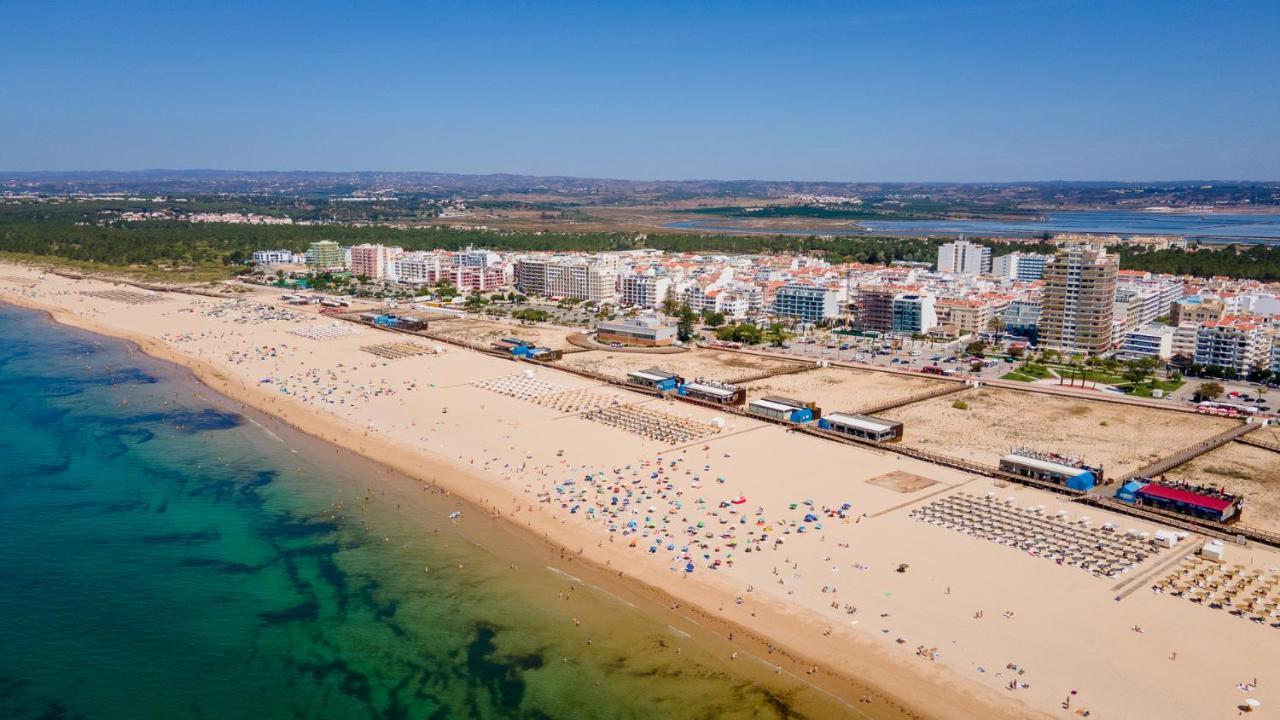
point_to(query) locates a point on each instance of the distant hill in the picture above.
(603, 191)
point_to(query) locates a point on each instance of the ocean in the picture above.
(166, 555)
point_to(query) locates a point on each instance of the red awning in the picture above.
(1184, 496)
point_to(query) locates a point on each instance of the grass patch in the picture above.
(960, 405)
(1019, 377)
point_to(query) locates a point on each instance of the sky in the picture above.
(968, 90)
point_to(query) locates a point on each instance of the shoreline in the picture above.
(885, 679)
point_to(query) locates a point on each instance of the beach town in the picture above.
(948, 588)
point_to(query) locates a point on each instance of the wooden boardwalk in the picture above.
(1169, 462)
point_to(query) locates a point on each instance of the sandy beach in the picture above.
(796, 540)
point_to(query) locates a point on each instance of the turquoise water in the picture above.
(1210, 228)
(165, 557)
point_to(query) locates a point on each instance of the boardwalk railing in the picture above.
(1187, 454)
(1273, 447)
(910, 399)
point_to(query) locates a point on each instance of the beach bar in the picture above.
(785, 409)
(712, 391)
(1199, 501)
(864, 427)
(655, 378)
(525, 349)
(1049, 468)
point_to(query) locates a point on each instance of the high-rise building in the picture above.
(325, 255)
(1025, 267)
(569, 277)
(964, 258)
(369, 261)
(1079, 299)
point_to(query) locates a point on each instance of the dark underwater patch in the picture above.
(195, 537)
(223, 566)
(303, 612)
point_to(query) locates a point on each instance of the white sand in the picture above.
(1066, 631)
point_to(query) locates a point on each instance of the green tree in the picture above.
(712, 318)
(1209, 391)
(976, 347)
(444, 290)
(670, 306)
(777, 334)
(684, 326)
(1137, 371)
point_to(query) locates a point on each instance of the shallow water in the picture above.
(165, 557)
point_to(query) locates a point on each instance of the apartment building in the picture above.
(1079, 299)
(966, 316)
(1141, 302)
(645, 291)
(273, 257)
(806, 303)
(1197, 310)
(1237, 342)
(964, 258)
(417, 268)
(1022, 318)
(567, 277)
(371, 261)
(1154, 341)
(1024, 267)
(325, 255)
(914, 313)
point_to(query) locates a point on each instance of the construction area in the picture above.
(983, 424)
(1243, 469)
(720, 365)
(844, 389)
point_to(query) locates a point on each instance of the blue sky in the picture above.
(981, 90)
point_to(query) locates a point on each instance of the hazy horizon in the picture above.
(329, 171)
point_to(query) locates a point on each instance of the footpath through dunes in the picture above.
(982, 425)
(805, 543)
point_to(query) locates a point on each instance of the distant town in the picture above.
(1071, 316)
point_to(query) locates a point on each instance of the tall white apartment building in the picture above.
(964, 258)
(570, 277)
(645, 291)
